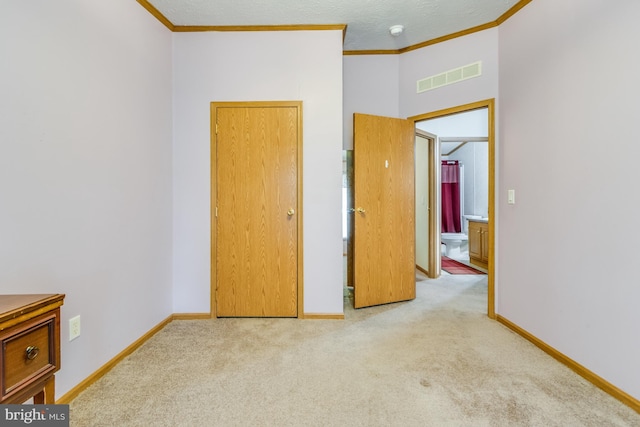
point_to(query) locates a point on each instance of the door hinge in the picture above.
(216, 128)
(216, 212)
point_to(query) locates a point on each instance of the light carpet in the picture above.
(434, 361)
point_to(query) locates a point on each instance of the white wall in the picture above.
(569, 145)
(386, 84)
(370, 87)
(431, 60)
(469, 124)
(85, 169)
(258, 66)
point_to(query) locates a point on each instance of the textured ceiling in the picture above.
(367, 21)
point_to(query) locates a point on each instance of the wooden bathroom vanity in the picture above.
(479, 242)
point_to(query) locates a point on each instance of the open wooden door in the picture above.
(384, 217)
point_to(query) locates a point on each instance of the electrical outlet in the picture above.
(74, 328)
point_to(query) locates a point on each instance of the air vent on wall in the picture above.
(448, 77)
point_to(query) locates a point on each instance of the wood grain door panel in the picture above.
(256, 224)
(384, 193)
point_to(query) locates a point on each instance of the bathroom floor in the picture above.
(461, 254)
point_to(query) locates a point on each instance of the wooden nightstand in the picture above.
(29, 347)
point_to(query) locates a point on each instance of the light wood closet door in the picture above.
(384, 194)
(256, 223)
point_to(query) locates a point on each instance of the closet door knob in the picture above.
(360, 210)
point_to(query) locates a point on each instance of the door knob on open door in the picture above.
(290, 212)
(360, 210)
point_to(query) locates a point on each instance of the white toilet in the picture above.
(455, 244)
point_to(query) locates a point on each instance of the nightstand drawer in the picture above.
(28, 353)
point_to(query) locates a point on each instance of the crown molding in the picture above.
(342, 27)
(204, 28)
(155, 12)
(502, 18)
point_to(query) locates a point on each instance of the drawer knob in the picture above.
(32, 352)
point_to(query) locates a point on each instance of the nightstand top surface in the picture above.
(12, 306)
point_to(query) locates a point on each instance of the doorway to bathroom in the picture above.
(462, 135)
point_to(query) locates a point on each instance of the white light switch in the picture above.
(511, 197)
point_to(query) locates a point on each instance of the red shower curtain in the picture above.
(450, 197)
